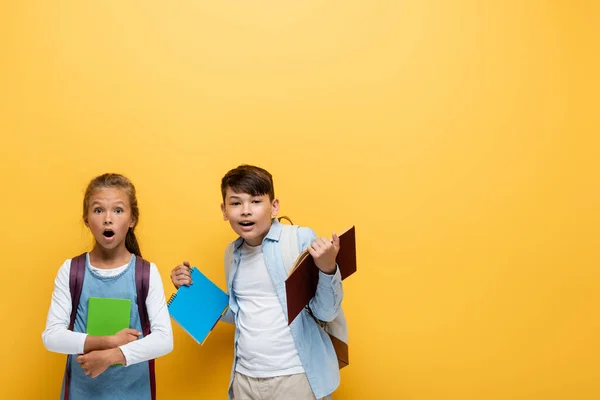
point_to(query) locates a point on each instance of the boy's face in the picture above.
(249, 216)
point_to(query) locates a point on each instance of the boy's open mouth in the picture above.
(246, 223)
(108, 233)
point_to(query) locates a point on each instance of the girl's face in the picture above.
(109, 217)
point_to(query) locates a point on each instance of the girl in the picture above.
(111, 213)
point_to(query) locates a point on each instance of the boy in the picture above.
(271, 359)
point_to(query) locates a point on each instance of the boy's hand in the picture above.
(324, 253)
(96, 362)
(181, 275)
(125, 336)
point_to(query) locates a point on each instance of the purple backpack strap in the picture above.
(75, 286)
(142, 284)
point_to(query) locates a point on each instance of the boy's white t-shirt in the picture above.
(265, 346)
(58, 338)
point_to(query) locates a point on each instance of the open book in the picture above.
(301, 285)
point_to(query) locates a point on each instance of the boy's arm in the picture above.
(327, 302)
(160, 340)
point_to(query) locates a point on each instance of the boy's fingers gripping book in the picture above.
(301, 285)
(198, 307)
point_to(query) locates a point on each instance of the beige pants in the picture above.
(287, 387)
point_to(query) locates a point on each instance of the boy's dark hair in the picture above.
(249, 179)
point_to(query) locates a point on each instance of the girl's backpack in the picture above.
(142, 284)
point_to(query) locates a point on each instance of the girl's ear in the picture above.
(133, 222)
(85, 221)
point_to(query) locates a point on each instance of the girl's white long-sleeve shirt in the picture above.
(58, 338)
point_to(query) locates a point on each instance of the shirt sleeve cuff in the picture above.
(81, 343)
(125, 354)
(328, 279)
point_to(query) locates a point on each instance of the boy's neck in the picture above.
(253, 244)
(109, 258)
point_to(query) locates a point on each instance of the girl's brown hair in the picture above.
(121, 182)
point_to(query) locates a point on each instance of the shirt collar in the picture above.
(273, 234)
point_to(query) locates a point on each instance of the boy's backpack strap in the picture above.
(76, 275)
(289, 246)
(142, 286)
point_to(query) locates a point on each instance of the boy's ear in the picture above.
(275, 207)
(223, 211)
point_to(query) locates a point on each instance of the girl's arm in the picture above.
(58, 338)
(160, 340)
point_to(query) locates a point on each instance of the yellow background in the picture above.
(460, 137)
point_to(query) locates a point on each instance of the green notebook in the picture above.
(107, 316)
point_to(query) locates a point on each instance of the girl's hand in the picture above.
(96, 362)
(181, 275)
(125, 336)
(324, 253)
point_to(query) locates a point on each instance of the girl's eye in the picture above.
(118, 210)
(97, 210)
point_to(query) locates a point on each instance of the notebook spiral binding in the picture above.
(171, 299)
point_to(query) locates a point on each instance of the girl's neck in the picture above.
(109, 258)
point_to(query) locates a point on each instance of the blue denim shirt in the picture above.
(314, 345)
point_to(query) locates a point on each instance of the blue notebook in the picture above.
(198, 308)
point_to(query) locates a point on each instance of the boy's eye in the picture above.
(257, 201)
(97, 210)
(118, 210)
(235, 203)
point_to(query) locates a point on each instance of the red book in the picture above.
(301, 285)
